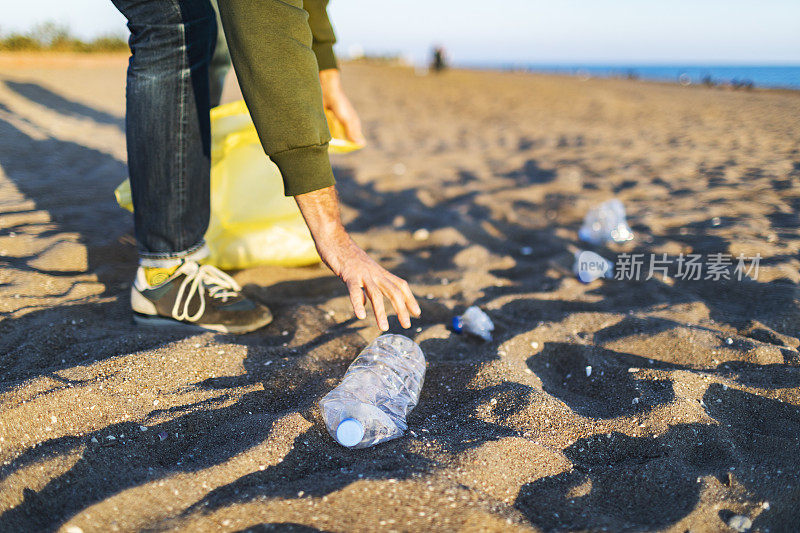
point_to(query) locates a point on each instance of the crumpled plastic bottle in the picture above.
(379, 389)
(606, 223)
(474, 321)
(590, 266)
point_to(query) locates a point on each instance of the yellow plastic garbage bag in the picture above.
(252, 222)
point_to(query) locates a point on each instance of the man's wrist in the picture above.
(334, 246)
(331, 232)
(330, 80)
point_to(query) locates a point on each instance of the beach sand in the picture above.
(689, 417)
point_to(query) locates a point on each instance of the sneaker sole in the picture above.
(164, 322)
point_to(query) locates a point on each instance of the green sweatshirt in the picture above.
(321, 32)
(277, 49)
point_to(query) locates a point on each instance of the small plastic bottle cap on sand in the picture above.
(350, 432)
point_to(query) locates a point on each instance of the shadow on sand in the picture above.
(751, 431)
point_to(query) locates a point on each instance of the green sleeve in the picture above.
(270, 45)
(322, 31)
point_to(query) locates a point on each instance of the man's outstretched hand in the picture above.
(335, 101)
(365, 279)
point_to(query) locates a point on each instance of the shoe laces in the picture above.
(217, 283)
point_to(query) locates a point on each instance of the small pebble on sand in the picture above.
(740, 523)
(421, 235)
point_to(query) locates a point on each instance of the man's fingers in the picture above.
(357, 299)
(353, 131)
(408, 296)
(376, 297)
(352, 124)
(396, 297)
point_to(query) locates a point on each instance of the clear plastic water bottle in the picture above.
(474, 321)
(379, 389)
(606, 223)
(590, 266)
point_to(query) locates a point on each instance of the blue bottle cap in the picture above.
(458, 324)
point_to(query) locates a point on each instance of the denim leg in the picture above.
(167, 123)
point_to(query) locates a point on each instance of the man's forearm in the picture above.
(320, 209)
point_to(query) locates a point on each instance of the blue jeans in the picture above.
(167, 125)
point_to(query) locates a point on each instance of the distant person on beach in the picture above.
(284, 60)
(438, 59)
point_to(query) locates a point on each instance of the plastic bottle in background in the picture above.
(590, 266)
(379, 389)
(606, 223)
(474, 321)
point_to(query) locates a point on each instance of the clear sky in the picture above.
(560, 31)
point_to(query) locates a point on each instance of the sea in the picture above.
(771, 76)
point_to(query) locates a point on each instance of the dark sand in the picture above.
(106, 427)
